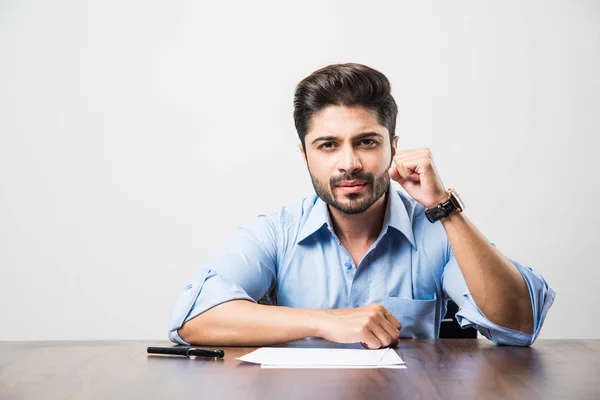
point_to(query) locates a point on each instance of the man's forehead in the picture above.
(344, 120)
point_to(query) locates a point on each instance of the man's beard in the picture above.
(375, 188)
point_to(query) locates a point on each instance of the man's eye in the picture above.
(367, 142)
(327, 145)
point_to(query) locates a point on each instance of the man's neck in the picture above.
(359, 229)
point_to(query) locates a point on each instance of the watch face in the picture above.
(457, 200)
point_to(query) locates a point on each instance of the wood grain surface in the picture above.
(437, 369)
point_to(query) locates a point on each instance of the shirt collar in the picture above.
(396, 216)
(319, 216)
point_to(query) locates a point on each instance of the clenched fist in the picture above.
(415, 171)
(372, 325)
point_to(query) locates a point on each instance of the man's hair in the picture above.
(344, 85)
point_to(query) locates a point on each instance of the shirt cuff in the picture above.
(208, 290)
(541, 295)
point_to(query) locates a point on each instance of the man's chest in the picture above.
(326, 275)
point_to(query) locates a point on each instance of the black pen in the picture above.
(187, 351)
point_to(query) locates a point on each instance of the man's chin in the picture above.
(351, 207)
(352, 211)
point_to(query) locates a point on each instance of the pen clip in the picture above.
(208, 353)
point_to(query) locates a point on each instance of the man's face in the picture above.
(348, 154)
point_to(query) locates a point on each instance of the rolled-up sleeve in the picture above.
(245, 269)
(541, 295)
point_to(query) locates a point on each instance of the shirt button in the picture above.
(348, 265)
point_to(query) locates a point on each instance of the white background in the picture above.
(136, 136)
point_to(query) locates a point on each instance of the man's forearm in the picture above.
(496, 285)
(243, 323)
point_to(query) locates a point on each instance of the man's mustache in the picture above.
(366, 176)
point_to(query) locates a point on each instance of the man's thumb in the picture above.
(395, 175)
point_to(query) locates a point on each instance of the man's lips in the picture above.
(347, 187)
(351, 183)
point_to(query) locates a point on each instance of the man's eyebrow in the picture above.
(365, 135)
(324, 138)
(360, 136)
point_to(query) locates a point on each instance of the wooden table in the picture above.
(444, 368)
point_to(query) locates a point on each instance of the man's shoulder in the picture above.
(291, 214)
(283, 226)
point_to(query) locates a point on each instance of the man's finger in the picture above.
(407, 170)
(393, 320)
(385, 339)
(390, 329)
(395, 175)
(371, 340)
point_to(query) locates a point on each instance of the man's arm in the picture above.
(244, 323)
(495, 284)
(499, 290)
(219, 307)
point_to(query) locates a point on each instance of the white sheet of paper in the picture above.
(335, 366)
(295, 357)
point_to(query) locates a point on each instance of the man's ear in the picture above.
(394, 145)
(301, 148)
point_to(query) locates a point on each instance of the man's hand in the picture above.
(371, 325)
(415, 171)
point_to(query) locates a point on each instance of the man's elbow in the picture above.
(190, 331)
(184, 333)
(216, 325)
(523, 321)
(205, 328)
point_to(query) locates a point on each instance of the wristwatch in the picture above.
(445, 208)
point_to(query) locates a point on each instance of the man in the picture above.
(359, 261)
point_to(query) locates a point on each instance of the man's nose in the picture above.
(349, 161)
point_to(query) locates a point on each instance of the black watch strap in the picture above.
(440, 211)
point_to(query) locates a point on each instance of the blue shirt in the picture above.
(295, 257)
